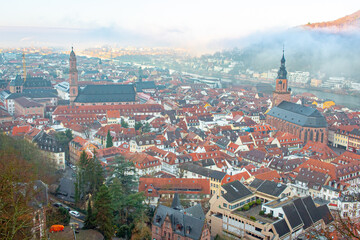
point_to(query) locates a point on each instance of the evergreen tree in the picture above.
(81, 178)
(69, 134)
(89, 177)
(104, 212)
(125, 172)
(124, 124)
(138, 125)
(127, 204)
(146, 128)
(109, 142)
(95, 174)
(90, 218)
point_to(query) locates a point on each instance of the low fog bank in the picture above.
(335, 54)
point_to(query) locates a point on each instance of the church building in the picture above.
(306, 123)
(110, 94)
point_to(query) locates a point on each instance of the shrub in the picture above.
(258, 201)
(261, 213)
(270, 215)
(253, 218)
(246, 207)
(251, 203)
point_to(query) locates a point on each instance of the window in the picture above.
(224, 205)
(281, 215)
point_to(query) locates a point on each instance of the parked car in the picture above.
(57, 204)
(74, 213)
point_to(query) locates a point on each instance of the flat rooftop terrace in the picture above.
(280, 202)
(254, 211)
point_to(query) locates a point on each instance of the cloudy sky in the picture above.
(179, 23)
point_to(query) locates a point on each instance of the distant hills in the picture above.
(349, 22)
(316, 48)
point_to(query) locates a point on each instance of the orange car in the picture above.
(56, 228)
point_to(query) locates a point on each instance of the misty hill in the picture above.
(306, 49)
(348, 22)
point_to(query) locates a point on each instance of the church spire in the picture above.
(73, 77)
(283, 57)
(282, 73)
(176, 202)
(282, 92)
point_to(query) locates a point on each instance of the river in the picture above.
(346, 100)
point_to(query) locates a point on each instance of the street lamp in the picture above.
(73, 228)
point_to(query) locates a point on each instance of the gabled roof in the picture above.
(269, 175)
(20, 130)
(298, 114)
(107, 93)
(271, 188)
(235, 191)
(292, 215)
(183, 224)
(217, 175)
(304, 214)
(312, 209)
(281, 227)
(256, 183)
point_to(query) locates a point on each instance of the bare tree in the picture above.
(16, 193)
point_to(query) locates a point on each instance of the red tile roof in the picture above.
(319, 166)
(346, 158)
(113, 114)
(102, 109)
(173, 185)
(320, 150)
(18, 131)
(240, 176)
(269, 175)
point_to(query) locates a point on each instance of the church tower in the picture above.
(73, 77)
(282, 92)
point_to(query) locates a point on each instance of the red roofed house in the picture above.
(346, 158)
(162, 189)
(341, 135)
(119, 134)
(319, 151)
(20, 131)
(144, 163)
(233, 148)
(77, 145)
(113, 116)
(242, 177)
(27, 107)
(285, 139)
(269, 175)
